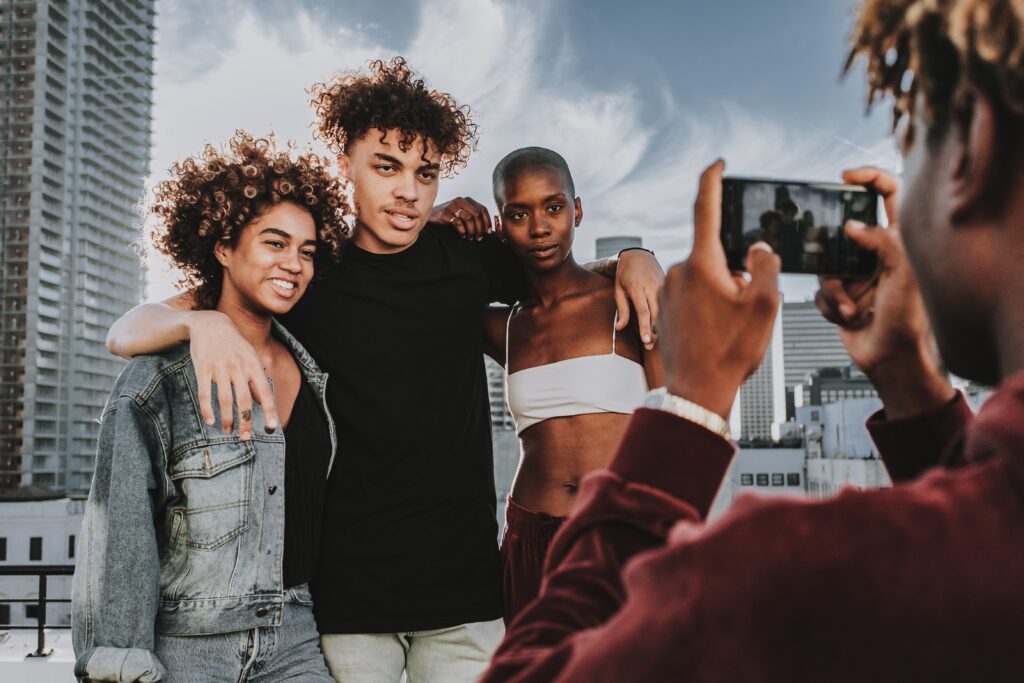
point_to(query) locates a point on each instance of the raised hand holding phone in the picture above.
(882, 321)
(714, 326)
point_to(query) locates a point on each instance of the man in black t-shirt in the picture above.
(408, 576)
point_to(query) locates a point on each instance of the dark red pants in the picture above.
(523, 548)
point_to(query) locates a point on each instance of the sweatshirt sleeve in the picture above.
(116, 583)
(909, 446)
(666, 470)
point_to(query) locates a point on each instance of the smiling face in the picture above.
(394, 190)
(268, 269)
(540, 215)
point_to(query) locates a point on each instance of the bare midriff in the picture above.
(557, 453)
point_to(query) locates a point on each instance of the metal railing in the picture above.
(42, 571)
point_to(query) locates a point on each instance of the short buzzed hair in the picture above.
(526, 159)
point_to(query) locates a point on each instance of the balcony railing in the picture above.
(41, 571)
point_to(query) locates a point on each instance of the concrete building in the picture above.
(810, 343)
(764, 471)
(37, 526)
(840, 452)
(762, 398)
(832, 384)
(74, 150)
(610, 246)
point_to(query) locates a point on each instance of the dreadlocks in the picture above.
(940, 48)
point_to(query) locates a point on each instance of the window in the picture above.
(5, 615)
(793, 479)
(71, 547)
(777, 479)
(3, 549)
(762, 480)
(32, 612)
(746, 479)
(35, 549)
(815, 416)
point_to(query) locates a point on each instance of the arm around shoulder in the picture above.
(154, 327)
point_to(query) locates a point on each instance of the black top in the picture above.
(306, 459)
(410, 536)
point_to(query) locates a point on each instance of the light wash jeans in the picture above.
(266, 654)
(459, 654)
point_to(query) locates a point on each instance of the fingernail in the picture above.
(847, 310)
(762, 246)
(647, 339)
(210, 421)
(245, 436)
(272, 423)
(854, 225)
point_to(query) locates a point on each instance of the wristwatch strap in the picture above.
(660, 399)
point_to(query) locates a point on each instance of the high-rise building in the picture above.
(75, 113)
(811, 342)
(762, 398)
(610, 246)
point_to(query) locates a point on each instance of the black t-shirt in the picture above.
(410, 536)
(307, 456)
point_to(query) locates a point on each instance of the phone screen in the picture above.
(803, 223)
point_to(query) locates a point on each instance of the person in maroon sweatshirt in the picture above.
(923, 581)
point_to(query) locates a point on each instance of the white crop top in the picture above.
(607, 383)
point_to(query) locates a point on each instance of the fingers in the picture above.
(886, 184)
(834, 301)
(621, 307)
(225, 401)
(469, 217)
(707, 214)
(885, 242)
(243, 399)
(645, 318)
(204, 383)
(259, 386)
(499, 228)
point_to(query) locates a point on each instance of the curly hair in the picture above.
(390, 97)
(940, 48)
(213, 195)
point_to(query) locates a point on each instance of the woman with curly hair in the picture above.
(200, 544)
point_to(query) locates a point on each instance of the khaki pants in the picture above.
(459, 654)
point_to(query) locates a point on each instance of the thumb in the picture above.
(763, 265)
(883, 241)
(863, 236)
(622, 307)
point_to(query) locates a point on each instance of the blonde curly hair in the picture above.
(940, 49)
(211, 196)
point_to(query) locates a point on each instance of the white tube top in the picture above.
(606, 383)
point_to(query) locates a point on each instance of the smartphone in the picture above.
(802, 221)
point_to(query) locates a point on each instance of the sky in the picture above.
(638, 97)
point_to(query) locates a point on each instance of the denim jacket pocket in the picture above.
(216, 483)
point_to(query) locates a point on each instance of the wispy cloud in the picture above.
(635, 168)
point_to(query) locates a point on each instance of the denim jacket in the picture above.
(184, 529)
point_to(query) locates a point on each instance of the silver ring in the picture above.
(457, 212)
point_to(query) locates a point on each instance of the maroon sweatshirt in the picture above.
(923, 581)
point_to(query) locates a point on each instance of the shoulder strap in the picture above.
(511, 312)
(615, 323)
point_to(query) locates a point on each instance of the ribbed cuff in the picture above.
(911, 445)
(674, 455)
